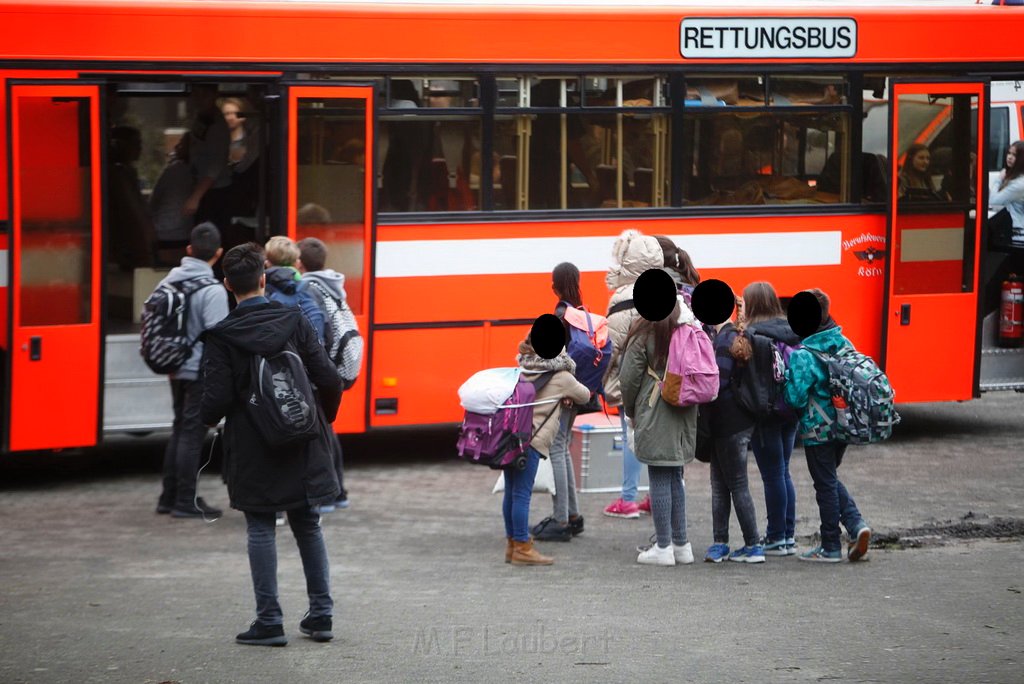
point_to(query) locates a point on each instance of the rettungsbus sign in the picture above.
(761, 38)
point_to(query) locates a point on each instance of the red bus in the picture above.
(451, 153)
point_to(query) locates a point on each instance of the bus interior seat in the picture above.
(830, 179)
(437, 193)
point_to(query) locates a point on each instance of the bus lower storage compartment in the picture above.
(596, 451)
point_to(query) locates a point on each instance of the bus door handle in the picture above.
(35, 348)
(904, 314)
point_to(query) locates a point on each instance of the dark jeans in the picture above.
(516, 504)
(729, 487)
(183, 452)
(305, 524)
(835, 504)
(773, 446)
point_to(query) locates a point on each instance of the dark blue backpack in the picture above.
(589, 346)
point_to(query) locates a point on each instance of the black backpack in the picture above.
(758, 383)
(165, 345)
(281, 401)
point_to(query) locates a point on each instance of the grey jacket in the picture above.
(330, 279)
(664, 435)
(206, 308)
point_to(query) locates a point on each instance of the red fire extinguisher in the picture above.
(1011, 312)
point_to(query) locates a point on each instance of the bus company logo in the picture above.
(768, 38)
(870, 250)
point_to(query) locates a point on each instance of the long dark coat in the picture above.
(259, 477)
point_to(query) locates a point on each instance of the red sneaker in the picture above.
(645, 506)
(622, 509)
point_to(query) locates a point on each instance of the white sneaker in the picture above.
(683, 554)
(657, 556)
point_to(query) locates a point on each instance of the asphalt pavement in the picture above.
(95, 587)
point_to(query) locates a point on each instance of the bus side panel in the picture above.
(435, 280)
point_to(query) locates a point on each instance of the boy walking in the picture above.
(324, 282)
(807, 391)
(263, 479)
(207, 305)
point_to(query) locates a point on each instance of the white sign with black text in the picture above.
(759, 38)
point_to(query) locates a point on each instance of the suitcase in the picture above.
(596, 452)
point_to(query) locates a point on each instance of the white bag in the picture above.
(487, 390)
(544, 482)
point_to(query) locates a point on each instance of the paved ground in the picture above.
(94, 587)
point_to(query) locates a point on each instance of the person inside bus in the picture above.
(170, 193)
(915, 179)
(243, 156)
(132, 235)
(405, 174)
(546, 151)
(209, 142)
(1007, 193)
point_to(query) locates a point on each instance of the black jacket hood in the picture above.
(260, 328)
(777, 329)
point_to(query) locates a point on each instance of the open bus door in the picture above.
(930, 341)
(330, 197)
(54, 361)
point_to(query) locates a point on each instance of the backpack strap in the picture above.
(624, 305)
(657, 387)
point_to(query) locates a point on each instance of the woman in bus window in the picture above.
(915, 180)
(1007, 191)
(565, 521)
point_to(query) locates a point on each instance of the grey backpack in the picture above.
(862, 397)
(342, 340)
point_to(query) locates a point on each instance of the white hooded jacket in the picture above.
(634, 253)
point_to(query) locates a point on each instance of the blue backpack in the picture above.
(589, 346)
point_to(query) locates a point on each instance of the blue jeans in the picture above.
(518, 490)
(630, 466)
(730, 488)
(835, 504)
(305, 524)
(773, 445)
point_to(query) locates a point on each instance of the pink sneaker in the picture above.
(622, 509)
(645, 506)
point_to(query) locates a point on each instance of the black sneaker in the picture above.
(576, 525)
(550, 529)
(197, 511)
(263, 635)
(317, 628)
(162, 508)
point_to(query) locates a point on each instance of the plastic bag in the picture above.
(487, 390)
(544, 482)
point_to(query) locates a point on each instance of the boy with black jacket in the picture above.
(263, 479)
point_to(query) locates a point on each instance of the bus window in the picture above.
(765, 158)
(429, 137)
(570, 152)
(792, 91)
(725, 91)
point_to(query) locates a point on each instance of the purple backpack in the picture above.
(500, 440)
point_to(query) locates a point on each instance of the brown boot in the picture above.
(508, 549)
(523, 553)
